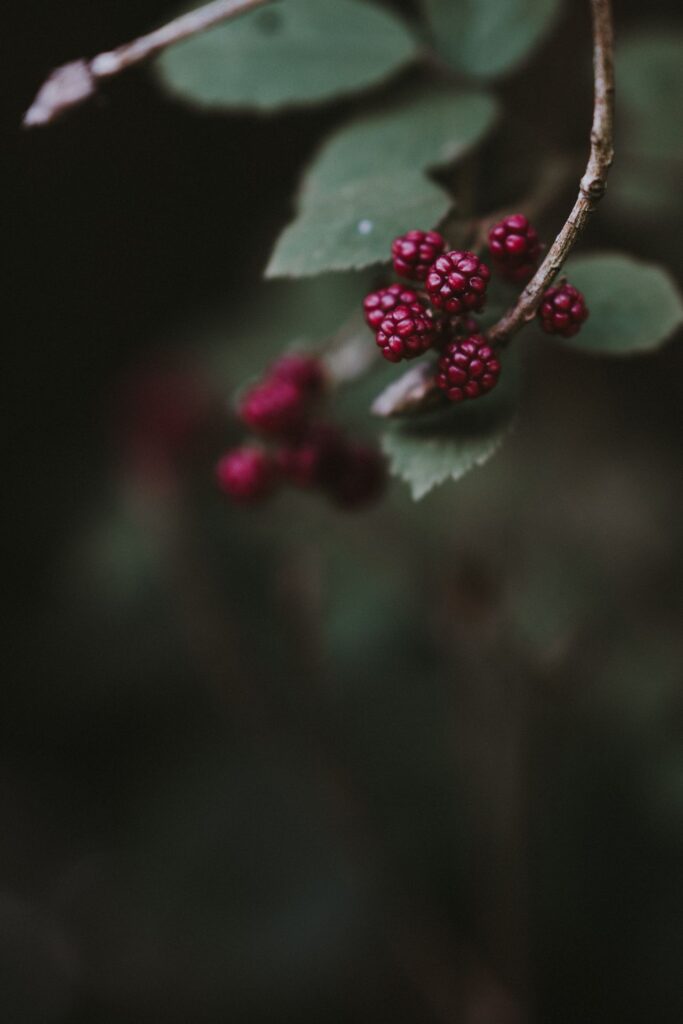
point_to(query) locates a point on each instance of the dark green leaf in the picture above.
(634, 306)
(485, 38)
(303, 51)
(367, 184)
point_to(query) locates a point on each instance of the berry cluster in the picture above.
(407, 322)
(304, 451)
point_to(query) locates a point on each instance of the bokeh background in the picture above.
(418, 764)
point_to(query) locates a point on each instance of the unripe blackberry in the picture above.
(361, 477)
(514, 247)
(406, 332)
(274, 407)
(467, 369)
(305, 372)
(246, 474)
(313, 460)
(457, 282)
(414, 253)
(378, 304)
(562, 310)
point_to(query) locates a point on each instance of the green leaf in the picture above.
(486, 38)
(303, 51)
(650, 76)
(367, 184)
(634, 306)
(428, 450)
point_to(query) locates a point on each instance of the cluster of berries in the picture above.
(407, 321)
(305, 452)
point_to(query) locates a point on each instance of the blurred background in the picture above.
(422, 763)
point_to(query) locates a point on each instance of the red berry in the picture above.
(274, 406)
(246, 474)
(377, 304)
(406, 332)
(457, 282)
(562, 310)
(313, 460)
(514, 247)
(414, 253)
(305, 372)
(468, 369)
(360, 477)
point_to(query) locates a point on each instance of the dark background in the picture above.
(420, 765)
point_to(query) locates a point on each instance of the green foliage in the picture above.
(650, 76)
(303, 51)
(368, 184)
(486, 38)
(646, 179)
(634, 306)
(428, 450)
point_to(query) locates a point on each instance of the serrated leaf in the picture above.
(634, 306)
(429, 450)
(650, 75)
(486, 38)
(367, 184)
(303, 51)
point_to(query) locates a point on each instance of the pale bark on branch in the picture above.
(74, 83)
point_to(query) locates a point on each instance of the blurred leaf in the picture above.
(367, 184)
(429, 450)
(485, 38)
(304, 51)
(650, 75)
(646, 180)
(634, 306)
(645, 187)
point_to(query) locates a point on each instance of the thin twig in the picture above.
(593, 183)
(416, 389)
(73, 83)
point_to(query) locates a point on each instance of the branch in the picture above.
(592, 185)
(71, 84)
(416, 390)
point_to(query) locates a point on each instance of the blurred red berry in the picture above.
(312, 460)
(304, 371)
(246, 474)
(360, 477)
(274, 406)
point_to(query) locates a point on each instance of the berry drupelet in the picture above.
(514, 247)
(562, 311)
(457, 282)
(468, 368)
(247, 474)
(378, 304)
(414, 253)
(405, 333)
